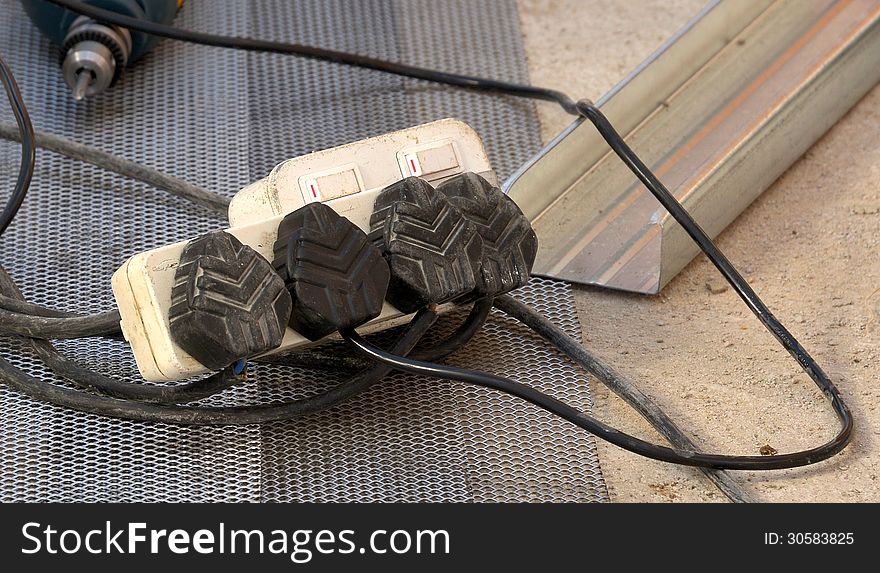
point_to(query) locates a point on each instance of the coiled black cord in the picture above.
(141, 410)
(588, 423)
(59, 327)
(733, 277)
(28, 147)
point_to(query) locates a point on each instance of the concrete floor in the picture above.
(810, 245)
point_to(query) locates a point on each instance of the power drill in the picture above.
(94, 54)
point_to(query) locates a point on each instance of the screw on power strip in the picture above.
(335, 277)
(432, 250)
(227, 302)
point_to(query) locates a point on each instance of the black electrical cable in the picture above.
(332, 359)
(556, 336)
(28, 147)
(125, 167)
(319, 359)
(88, 379)
(176, 414)
(315, 53)
(588, 423)
(51, 327)
(102, 323)
(29, 308)
(733, 277)
(617, 383)
(460, 336)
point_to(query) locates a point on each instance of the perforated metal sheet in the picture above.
(221, 119)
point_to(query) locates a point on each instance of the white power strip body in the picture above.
(347, 178)
(343, 175)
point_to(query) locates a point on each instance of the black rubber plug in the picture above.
(509, 242)
(336, 278)
(227, 301)
(432, 250)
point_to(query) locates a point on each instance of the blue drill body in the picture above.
(88, 46)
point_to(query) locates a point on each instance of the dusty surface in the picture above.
(810, 245)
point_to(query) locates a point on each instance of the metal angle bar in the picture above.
(719, 112)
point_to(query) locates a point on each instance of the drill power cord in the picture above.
(46, 391)
(321, 54)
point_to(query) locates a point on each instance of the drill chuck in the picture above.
(94, 54)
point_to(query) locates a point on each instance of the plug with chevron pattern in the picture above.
(433, 251)
(227, 301)
(335, 277)
(462, 241)
(509, 242)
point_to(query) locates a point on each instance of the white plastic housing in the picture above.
(347, 178)
(433, 151)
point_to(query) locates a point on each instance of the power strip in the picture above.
(347, 178)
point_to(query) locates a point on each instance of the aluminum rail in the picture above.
(718, 113)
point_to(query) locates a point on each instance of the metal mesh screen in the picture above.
(221, 119)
